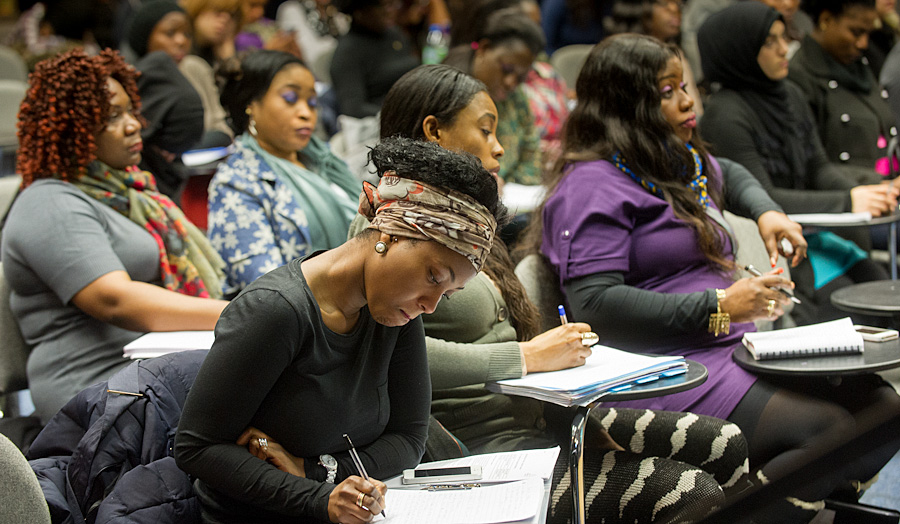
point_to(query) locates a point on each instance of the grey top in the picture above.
(56, 241)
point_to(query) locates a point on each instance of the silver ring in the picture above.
(771, 308)
(359, 499)
(263, 443)
(589, 338)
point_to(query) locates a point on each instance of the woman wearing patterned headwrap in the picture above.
(332, 344)
(90, 234)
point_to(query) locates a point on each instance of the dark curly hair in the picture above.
(432, 164)
(65, 107)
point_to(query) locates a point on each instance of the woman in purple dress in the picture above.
(633, 227)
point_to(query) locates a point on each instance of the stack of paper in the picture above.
(827, 338)
(607, 368)
(488, 504)
(513, 488)
(156, 344)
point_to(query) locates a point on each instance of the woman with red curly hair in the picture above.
(94, 254)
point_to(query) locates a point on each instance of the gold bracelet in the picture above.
(719, 322)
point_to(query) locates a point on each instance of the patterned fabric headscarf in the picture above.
(188, 263)
(409, 208)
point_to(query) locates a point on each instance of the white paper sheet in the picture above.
(160, 343)
(495, 467)
(825, 219)
(494, 503)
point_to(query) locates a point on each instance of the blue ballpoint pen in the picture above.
(358, 463)
(562, 315)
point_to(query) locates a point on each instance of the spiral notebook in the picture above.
(827, 338)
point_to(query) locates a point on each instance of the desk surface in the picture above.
(881, 298)
(695, 376)
(877, 356)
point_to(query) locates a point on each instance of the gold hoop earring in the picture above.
(380, 247)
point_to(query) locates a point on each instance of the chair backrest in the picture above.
(13, 349)
(12, 66)
(23, 500)
(751, 249)
(542, 287)
(11, 94)
(568, 60)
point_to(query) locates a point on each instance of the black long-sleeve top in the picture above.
(365, 66)
(275, 366)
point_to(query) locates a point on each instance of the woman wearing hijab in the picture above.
(761, 121)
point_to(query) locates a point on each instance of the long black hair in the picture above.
(618, 110)
(438, 90)
(443, 92)
(246, 79)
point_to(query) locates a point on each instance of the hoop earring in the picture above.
(380, 247)
(252, 127)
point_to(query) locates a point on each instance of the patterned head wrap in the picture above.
(409, 208)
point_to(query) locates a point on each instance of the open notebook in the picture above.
(828, 338)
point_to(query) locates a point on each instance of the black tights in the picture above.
(788, 422)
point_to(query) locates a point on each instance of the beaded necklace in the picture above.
(697, 184)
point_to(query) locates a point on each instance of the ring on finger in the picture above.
(771, 308)
(359, 499)
(263, 443)
(589, 338)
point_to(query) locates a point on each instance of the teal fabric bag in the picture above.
(831, 256)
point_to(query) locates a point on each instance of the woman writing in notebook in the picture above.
(331, 344)
(491, 331)
(632, 226)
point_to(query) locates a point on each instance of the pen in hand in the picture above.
(562, 315)
(755, 272)
(358, 463)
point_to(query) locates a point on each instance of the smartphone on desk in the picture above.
(876, 334)
(441, 475)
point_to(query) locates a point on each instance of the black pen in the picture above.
(358, 463)
(755, 272)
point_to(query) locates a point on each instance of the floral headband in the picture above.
(399, 206)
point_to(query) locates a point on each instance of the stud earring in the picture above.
(380, 247)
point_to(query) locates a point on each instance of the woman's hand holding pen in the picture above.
(558, 348)
(263, 447)
(774, 228)
(748, 299)
(356, 500)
